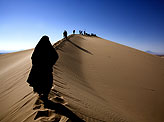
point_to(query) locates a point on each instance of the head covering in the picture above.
(44, 53)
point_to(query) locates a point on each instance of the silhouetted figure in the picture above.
(87, 34)
(84, 33)
(92, 34)
(43, 59)
(73, 31)
(80, 32)
(65, 34)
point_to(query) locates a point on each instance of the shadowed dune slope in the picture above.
(96, 79)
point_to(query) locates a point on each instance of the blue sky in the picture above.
(135, 23)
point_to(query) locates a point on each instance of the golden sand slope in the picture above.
(98, 80)
(16, 97)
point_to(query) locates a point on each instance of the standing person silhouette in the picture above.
(84, 33)
(73, 31)
(65, 34)
(43, 59)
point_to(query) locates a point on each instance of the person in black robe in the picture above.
(73, 31)
(65, 34)
(43, 59)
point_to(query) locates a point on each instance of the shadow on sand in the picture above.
(59, 109)
(79, 47)
(41, 79)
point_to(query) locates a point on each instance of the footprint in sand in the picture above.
(47, 114)
(54, 110)
(58, 99)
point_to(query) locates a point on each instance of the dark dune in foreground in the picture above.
(95, 79)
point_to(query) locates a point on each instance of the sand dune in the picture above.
(98, 80)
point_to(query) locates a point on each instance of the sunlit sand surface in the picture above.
(96, 79)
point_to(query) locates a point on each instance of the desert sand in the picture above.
(98, 80)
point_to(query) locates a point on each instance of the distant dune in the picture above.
(153, 53)
(98, 80)
(162, 56)
(8, 51)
